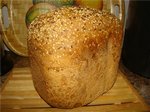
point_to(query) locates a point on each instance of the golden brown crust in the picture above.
(74, 54)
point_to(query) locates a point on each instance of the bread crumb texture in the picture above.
(74, 54)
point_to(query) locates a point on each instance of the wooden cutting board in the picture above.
(18, 95)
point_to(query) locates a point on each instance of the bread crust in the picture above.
(74, 54)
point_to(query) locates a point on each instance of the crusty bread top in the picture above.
(66, 27)
(74, 54)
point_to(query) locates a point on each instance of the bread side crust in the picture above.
(74, 54)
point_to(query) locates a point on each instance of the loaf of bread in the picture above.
(74, 54)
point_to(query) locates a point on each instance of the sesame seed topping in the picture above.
(69, 29)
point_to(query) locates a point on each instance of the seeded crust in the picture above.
(74, 54)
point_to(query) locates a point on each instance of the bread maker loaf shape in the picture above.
(74, 54)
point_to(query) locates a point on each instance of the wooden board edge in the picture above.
(7, 79)
(133, 107)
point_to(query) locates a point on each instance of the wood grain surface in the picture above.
(18, 95)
